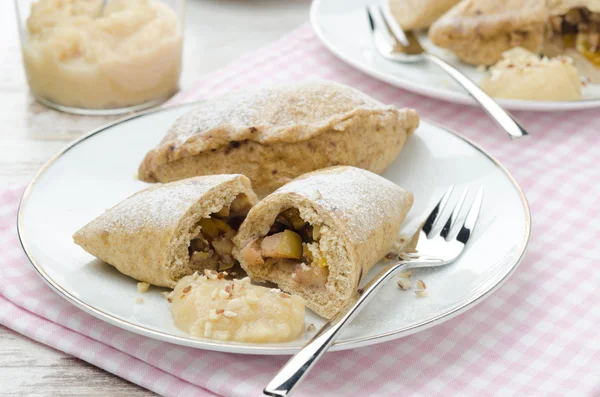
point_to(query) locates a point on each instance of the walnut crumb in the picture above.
(421, 293)
(311, 328)
(404, 283)
(139, 300)
(142, 287)
(390, 255)
(187, 289)
(421, 285)
(406, 274)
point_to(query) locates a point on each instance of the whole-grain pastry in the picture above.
(574, 30)
(317, 236)
(419, 14)
(275, 134)
(479, 31)
(168, 231)
(212, 306)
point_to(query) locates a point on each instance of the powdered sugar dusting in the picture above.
(358, 196)
(263, 115)
(160, 206)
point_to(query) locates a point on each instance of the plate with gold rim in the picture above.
(99, 170)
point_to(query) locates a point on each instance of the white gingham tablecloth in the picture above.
(538, 335)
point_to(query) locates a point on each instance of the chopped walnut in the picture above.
(142, 287)
(311, 328)
(404, 283)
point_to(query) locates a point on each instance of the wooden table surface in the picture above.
(31, 133)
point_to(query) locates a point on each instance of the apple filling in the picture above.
(292, 244)
(211, 246)
(579, 29)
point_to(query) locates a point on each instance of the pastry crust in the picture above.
(419, 14)
(147, 235)
(273, 135)
(561, 7)
(479, 31)
(359, 214)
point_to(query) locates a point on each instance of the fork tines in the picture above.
(467, 224)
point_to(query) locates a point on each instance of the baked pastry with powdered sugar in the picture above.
(275, 134)
(319, 235)
(479, 31)
(168, 231)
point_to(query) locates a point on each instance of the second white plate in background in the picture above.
(342, 26)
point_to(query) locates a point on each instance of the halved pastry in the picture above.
(574, 30)
(275, 134)
(479, 31)
(168, 231)
(419, 14)
(317, 236)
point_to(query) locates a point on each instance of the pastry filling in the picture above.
(579, 29)
(211, 246)
(292, 245)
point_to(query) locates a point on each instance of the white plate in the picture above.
(99, 170)
(342, 26)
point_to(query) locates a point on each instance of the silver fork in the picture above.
(433, 249)
(395, 45)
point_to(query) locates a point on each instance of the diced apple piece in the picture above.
(252, 254)
(223, 212)
(223, 246)
(316, 232)
(287, 244)
(199, 257)
(293, 217)
(208, 228)
(240, 205)
(221, 226)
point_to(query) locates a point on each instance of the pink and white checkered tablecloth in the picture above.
(536, 336)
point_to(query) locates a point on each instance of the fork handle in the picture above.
(298, 366)
(501, 116)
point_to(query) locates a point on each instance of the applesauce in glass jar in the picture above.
(86, 57)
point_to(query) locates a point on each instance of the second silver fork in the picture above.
(388, 36)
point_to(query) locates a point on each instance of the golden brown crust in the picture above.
(479, 31)
(147, 235)
(276, 134)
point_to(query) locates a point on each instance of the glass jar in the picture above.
(85, 58)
